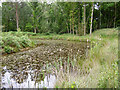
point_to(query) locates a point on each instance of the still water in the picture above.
(36, 68)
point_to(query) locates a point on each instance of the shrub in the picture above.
(18, 29)
(1, 42)
(47, 33)
(8, 49)
(13, 42)
(109, 77)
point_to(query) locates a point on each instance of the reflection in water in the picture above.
(35, 68)
(8, 82)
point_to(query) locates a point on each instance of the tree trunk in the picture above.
(73, 23)
(79, 27)
(70, 24)
(76, 32)
(8, 25)
(34, 17)
(84, 19)
(91, 18)
(67, 28)
(79, 22)
(100, 15)
(35, 30)
(115, 17)
(17, 15)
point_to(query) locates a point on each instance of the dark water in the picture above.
(36, 68)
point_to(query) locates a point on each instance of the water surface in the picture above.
(36, 68)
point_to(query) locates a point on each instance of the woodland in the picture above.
(60, 44)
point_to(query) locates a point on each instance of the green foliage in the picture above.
(14, 41)
(109, 77)
(100, 69)
(18, 29)
(118, 28)
(47, 33)
(8, 49)
(59, 17)
(73, 85)
(29, 27)
(1, 42)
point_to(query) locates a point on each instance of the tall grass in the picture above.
(100, 69)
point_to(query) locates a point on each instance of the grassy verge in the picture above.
(11, 42)
(100, 69)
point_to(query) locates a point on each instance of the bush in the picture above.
(13, 42)
(29, 27)
(8, 49)
(1, 42)
(118, 28)
(18, 29)
(47, 33)
(109, 78)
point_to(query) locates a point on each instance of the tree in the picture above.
(34, 6)
(59, 17)
(92, 9)
(79, 18)
(73, 22)
(0, 19)
(100, 14)
(115, 17)
(17, 22)
(84, 19)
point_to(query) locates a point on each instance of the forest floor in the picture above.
(99, 69)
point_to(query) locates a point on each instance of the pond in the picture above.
(37, 67)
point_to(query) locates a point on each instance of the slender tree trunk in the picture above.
(17, 15)
(23, 24)
(100, 15)
(8, 25)
(76, 32)
(78, 27)
(67, 28)
(73, 23)
(87, 20)
(70, 24)
(91, 19)
(108, 23)
(35, 30)
(79, 22)
(34, 17)
(115, 17)
(84, 19)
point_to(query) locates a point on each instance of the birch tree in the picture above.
(115, 16)
(84, 19)
(92, 9)
(17, 22)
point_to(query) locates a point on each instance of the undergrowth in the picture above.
(100, 69)
(14, 41)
